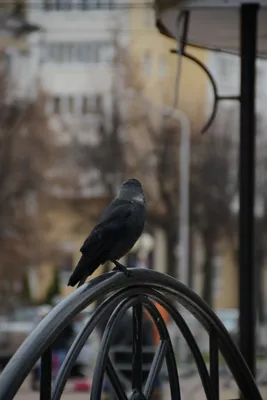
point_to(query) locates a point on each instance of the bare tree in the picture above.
(132, 139)
(213, 185)
(133, 146)
(26, 154)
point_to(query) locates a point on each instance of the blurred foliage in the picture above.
(212, 190)
(27, 151)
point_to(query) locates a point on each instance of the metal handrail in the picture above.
(143, 287)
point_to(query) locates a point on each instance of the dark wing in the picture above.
(106, 234)
(112, 207)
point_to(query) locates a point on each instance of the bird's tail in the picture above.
(79, 272)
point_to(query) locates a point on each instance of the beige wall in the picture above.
(193, 86)
(68, 223)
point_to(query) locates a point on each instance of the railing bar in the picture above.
(107, 306)
(101, 361)
(114, 380)
(170, 357)
(46, 374)
(137, 374)
(129, 367)
(128, 349)
(155, 367)
(187, 334)
(214, 364)
(37, 342)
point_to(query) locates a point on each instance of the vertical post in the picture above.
(46, 375)
(137, 371)
(184, 201)
(184, 215)
(247, 319)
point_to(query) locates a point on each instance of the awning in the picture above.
(214, 24)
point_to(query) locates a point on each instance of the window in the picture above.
(93, 4)
(77, 4)
(162, 67)
(105, 52)
(223, 66)
(147, 63)
(76, 104)
(85, 105)
(67, 52)
(79, 52)
(71, 105)
(48, 5)
(56, 105)
(56, 5)
(91, 53)
(99, 102)
(90, 104)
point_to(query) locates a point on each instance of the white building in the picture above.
(73, 55)
(225, 69)
(72, 59)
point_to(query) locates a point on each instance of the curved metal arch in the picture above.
(189, 338)
(106, 343)
(109, 304)
(164, 349)
(35, 345)
(158, 359)
(217, 97)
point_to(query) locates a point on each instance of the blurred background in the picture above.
(87, 100)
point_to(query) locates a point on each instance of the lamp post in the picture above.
(259, 211)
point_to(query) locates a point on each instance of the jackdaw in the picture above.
(120, 226)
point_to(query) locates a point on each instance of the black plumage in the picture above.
(119, 227)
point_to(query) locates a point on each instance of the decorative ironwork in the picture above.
(183, 20)
(216, 95)
(140, 291)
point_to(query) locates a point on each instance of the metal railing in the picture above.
(141, 290)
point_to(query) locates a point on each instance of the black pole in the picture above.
(247, 288)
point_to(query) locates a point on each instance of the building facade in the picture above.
(158, 66)
(75, 52)
(72, 60)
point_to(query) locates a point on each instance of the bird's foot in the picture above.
(122, 268)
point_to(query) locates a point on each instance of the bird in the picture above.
(118, 229)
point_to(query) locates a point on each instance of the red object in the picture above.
(82, 386)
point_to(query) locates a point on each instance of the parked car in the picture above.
(14, 329)
(229, 317)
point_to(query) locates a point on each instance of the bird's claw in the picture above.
(123, 269)
(127, 273)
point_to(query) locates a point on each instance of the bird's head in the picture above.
(132, 190)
